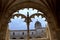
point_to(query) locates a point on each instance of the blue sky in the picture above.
(18, 23)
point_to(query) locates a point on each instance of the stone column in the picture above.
(28, 31)
(58, 34)
(3, 28)
(7, 34)
(3, 32)
(52, 30)
(51, 23)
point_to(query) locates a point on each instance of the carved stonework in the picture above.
(46, 6)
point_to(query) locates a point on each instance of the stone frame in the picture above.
(28, 4)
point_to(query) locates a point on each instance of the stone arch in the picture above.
(30, 4)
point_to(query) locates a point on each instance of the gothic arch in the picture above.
(32, 4)
(29, 4)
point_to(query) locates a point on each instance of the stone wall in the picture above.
(23, 33)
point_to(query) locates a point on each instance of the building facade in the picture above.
(38, 32)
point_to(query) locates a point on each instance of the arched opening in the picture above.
(39, 32)
(28, 4)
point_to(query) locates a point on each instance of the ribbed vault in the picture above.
(8, 7)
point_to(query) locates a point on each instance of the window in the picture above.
(22, 33)
(13, 33)
(19, 24)
(32, 33)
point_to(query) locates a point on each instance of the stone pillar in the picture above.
(52, 27)
(58, 34)
(52, 23)
(3, 29)
(7, 34)
(3, 32)
(48, 32)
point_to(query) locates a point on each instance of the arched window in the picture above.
(19, 21)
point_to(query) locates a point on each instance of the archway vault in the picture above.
(39, 5)
(42, 6)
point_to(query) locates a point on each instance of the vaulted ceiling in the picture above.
(5, 5)
(8, 5)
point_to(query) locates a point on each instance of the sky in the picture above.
(18, 22)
